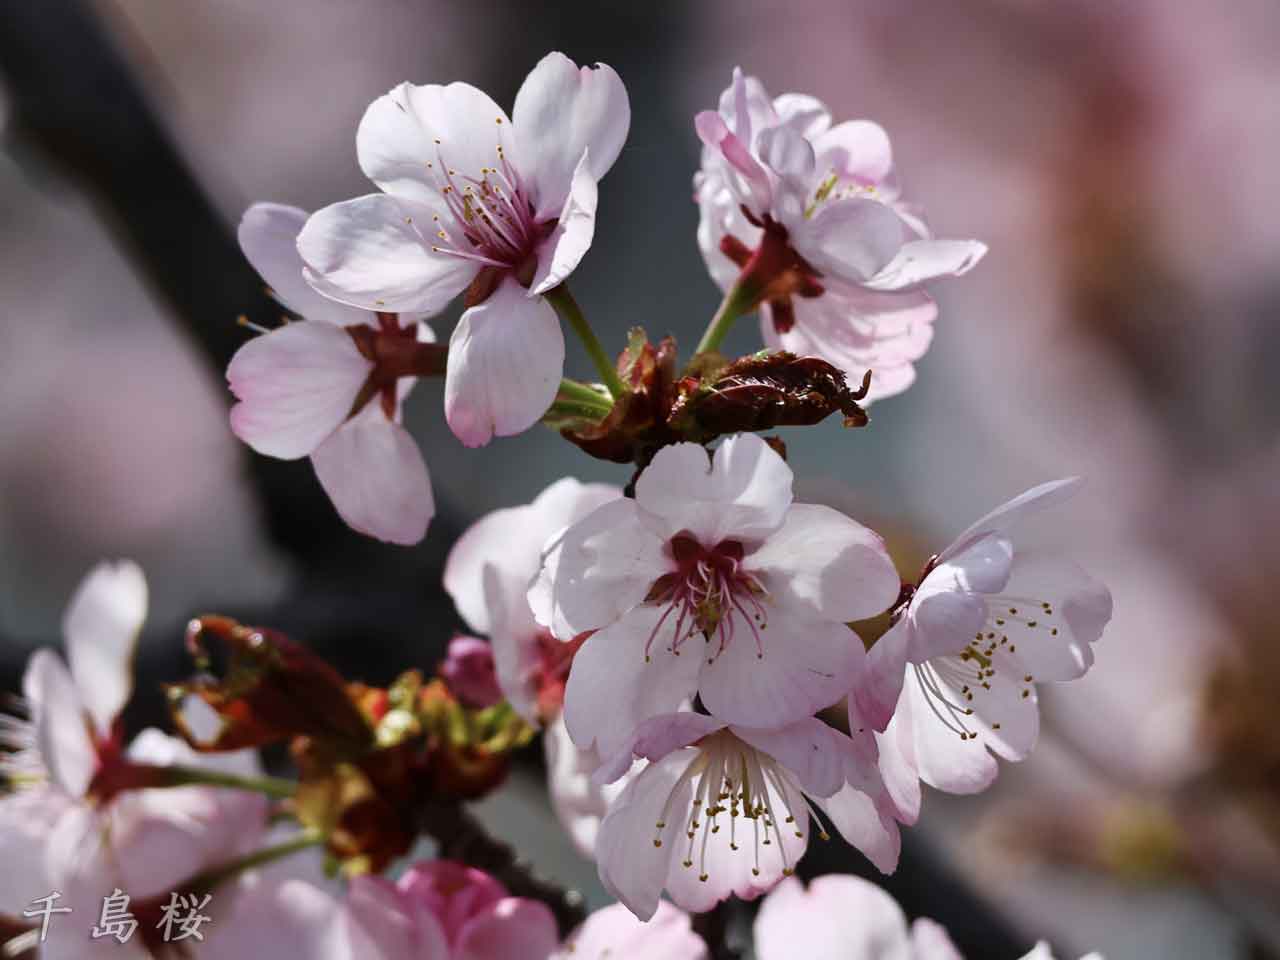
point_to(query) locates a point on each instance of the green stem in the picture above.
(569, 311)
(739, 300)
(180, 776)
(228, 871)
(585, 399)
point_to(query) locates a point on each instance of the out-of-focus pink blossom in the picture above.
(723, 810)
(953, 681)
(846, 918)
(468, 669)
(711, 581)
(473, 200)
(308, 389)
(811, 215)
(614, 934)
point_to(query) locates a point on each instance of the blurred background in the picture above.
(1121, 160)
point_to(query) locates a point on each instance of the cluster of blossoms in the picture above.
(695, 646)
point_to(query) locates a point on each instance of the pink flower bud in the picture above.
(468, 669)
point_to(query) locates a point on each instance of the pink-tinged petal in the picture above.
(633, 854)
(597, 570)
(942, 622)
(806, 115)
(469, 670)
(1059, 647)
(867, 823)
(409, 137)
(268, 236)
(375, 253)
(28, 818)
(859, 331)
(851, 239)
(656, 737)
(561, 113)
(803, 666)
(857, 150)
(812, 750)
(296, 385)
(506, 357)
(579, 803)
(943, 759)
(374, 473)
(1002, 519)
(512, 929)
(744, 175)
(923, 260)
(613, 688)
(560, 254)
(61, 724)
(879, 681)
(837, 918)
(786, 152)
(981, 567)
(101, 629)
(896, 762)
(826, 564)
(451, 893)
(614, 934)
(743, 492)
(288, 918)
(511, 541)
(929, 940)
(379, 923)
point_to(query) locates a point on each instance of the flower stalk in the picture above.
(568, 310)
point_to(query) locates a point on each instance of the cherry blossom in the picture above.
(503, 208)
(711, 581)
(812, 213)
(487, 574)
(81, 820)
(952, 683)
(613, 933)
(332, 387)
(846, 918)
(723, 810)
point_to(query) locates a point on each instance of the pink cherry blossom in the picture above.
(321, 387)
(815, 208)
(487, 574)
(711, 581)
(613, 934)
(957, 671)
(846, 918)
(723, 810)
(473, 199)
(67, 823)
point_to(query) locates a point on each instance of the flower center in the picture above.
(490, 218)
(734, 782)
(955, 685)
(710, 593)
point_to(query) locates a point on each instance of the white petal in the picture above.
(579, 802)
(596, 570)
(922, 260)
(375, 252)
(837, 918)
(506, 357)
(614, 932)
(562, 111)
(930, 941)
(1003, 517)
(1059, 646)
(802, 666)
(561, 252)
(397, 139)
(612, 689)
(942, 622)
(865, 824)
(656, 737)
(857, 149)
(632, 866)
(825, 563)
(743, 492)
(28, 818)
(786, 152)
(373, 471)
(61, 724)
(806, 115)
(101, 628)
(377, 922)
(879, 683)
(296, 385)
(851, 239)
(268, 236)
